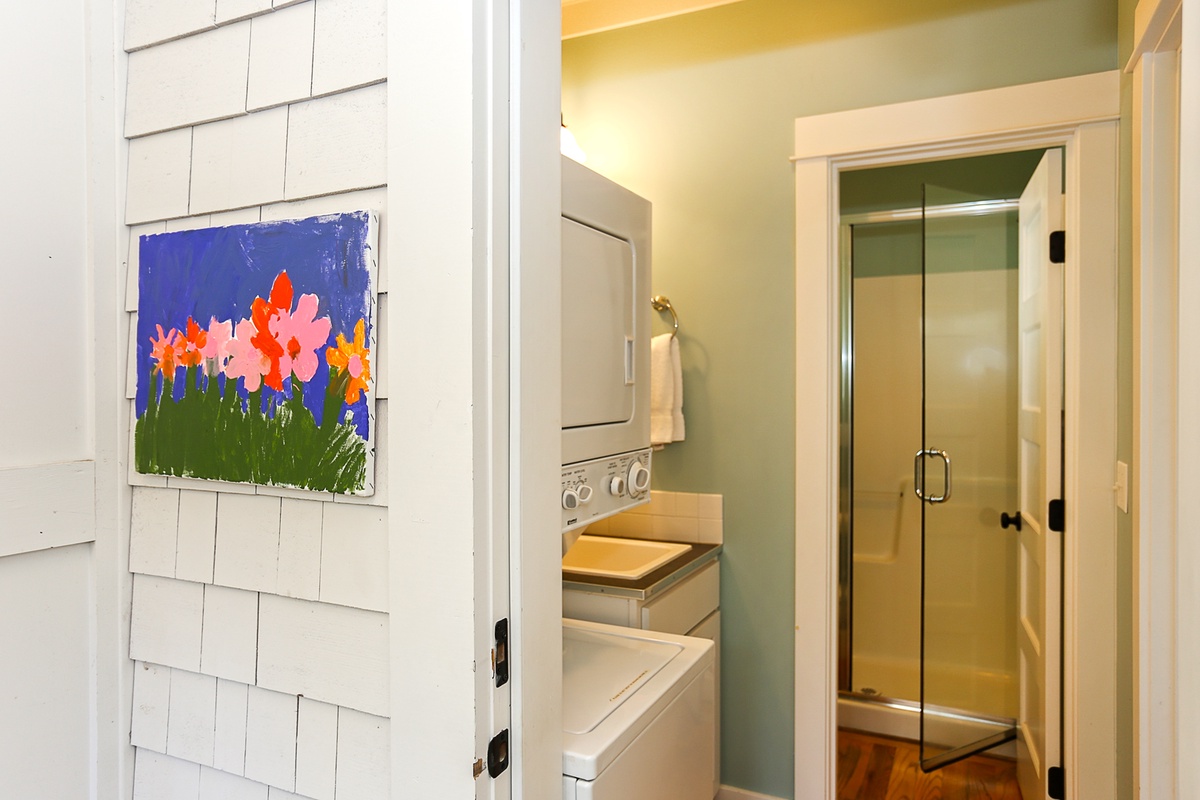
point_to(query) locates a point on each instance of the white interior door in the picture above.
(1040, 390)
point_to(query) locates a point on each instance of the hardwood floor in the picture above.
(877, 768)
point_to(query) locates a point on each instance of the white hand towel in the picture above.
(666, 390)
(677, 398)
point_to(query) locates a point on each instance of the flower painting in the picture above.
(255, 351)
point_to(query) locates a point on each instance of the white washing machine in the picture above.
(638, 714)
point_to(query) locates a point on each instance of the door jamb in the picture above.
(1080, 115)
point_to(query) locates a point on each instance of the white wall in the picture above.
(259, 622)
(44, 308)
(47, 491)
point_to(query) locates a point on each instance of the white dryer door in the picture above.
(597, 327)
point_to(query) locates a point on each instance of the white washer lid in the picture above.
(601, 671)
(614, 687)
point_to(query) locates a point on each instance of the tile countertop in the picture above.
(648, 585)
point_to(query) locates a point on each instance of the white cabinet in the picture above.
(678, 609)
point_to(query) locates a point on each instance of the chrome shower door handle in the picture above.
(919, 475)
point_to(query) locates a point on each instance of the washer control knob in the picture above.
(639, 477)
(585, 493)
(570, 499)
(616, 487)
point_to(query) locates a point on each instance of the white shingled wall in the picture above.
(259, 625)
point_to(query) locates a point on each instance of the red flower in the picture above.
(261, 314)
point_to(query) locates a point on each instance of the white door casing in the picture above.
(1039, 481)
(1159, 501)
(1078, 114)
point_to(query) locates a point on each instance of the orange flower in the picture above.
(166, 351)
(192, 344)
(352, 359)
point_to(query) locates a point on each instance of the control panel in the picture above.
(593, 490)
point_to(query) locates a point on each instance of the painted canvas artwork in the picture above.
(255, 351)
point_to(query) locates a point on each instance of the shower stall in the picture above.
(929, 449)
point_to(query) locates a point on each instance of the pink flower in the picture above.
(300, 335)
(245, 360)
(219, 334)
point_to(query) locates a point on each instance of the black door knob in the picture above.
(1014, 520)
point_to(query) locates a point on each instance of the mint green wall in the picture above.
(695, 113)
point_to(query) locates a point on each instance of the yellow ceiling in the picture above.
(581, 17)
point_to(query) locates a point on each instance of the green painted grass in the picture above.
(215, 435)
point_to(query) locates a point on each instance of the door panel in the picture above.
(965, 475)
(1040, 478)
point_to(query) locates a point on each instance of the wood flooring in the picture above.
(877, 768)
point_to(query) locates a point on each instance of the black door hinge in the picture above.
(500, 653)
(497, 760)
(1055, 515)
(1058, 247)
(1055, 785)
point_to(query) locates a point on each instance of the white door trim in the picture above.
(1155, 69)
(1187, 624)
(1080, 115)
(535, 370)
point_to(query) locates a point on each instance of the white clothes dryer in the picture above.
(638, 714)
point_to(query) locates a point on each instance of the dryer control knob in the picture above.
(616, 487)
(570, 499)
(639, 477)
(585, 493)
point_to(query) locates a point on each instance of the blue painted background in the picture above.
(217, 272)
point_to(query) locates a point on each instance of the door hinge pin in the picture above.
(1055, 784)
(1056, 516)
(1058, 247)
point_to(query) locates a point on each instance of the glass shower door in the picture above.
(965, 475)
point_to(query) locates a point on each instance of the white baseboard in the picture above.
(731, 793)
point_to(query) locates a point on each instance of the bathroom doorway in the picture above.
(934, 583)
(1078, 114)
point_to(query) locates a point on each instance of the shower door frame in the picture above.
(898, 716)
(1079, 114)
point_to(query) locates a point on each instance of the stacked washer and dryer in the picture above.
(639, 706)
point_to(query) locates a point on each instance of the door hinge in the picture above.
(1055, 515)
(1055, 785)
(497, 756)
(500, 654)
(1058, 247)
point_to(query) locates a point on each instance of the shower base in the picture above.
(901, 719)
